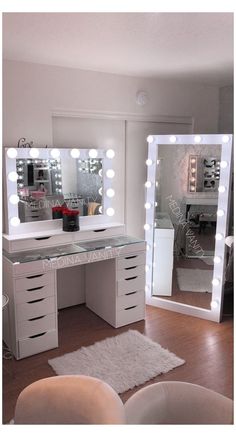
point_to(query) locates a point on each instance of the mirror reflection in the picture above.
(45, 184)
(185, 223)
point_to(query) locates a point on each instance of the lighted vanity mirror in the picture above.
(204, 171)
(185, 229)
(40, 180)
(44, 184)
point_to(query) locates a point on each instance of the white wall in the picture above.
(32, 92)
(226, 111)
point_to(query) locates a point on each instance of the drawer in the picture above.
(131, 260)
(35, 308)
(34, 281)
(34, 293)
(133, 283)
(42, 342)
(34, 243)
(128, 272)
(131, 315)
(36, 325)
(131, 299)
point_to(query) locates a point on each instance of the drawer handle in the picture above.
(37, 335)
(37, 300)
(42, 238)
(130, 279)
(130, 268)
(36, 318)
(132, 292)
(36, 288)
(34, 276)
(130, 308)
(99, 230)
(131, 257)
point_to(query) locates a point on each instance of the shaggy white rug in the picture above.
(123, 361)
(195, 280)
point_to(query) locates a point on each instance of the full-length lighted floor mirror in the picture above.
(187, 214)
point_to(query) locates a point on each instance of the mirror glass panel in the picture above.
(44, 184)
(185, 223)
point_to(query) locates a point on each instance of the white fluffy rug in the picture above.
(123, 361)
(195, 280)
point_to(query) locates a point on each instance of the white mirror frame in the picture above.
(45, 153)
(225, 141)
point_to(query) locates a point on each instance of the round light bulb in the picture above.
(13, 176)
(193, 161)
(14, 199)
(219, 237)
(110, 192)
(146, 227)
(150, 139)
(148, 162)
(55, 153)
(197, 139)
(15, 221)
(220, 212)
(214, 304)
(225, 139)
(193, 170)
(193, 179)
(223, 164)
(215, 281)
(110, 212)
(221, 189)
(12, 153)
(110, 173)
(93, 153)
(173, 139)
(217, 259)
(147, 205)
(110, 153)
(75, 153)
(100, 209)
(34, 153)
(100, 191)
(148, 184)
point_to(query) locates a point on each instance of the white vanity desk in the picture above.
(114, 281)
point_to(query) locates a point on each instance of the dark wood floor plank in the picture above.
(207, 348)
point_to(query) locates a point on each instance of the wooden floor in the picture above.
(207, 348)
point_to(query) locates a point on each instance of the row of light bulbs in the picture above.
(55, 153)
(197, 139)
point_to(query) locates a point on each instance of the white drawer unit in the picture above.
(37, 343)
(31, 282)
(36, 325)
(114, 285)
(35, 308)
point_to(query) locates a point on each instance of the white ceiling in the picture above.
(193, 46)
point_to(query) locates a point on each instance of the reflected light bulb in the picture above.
(217, 259)
(218, 237)
(220, 212)
(55, 153)
(173, 139)
(221, 189)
